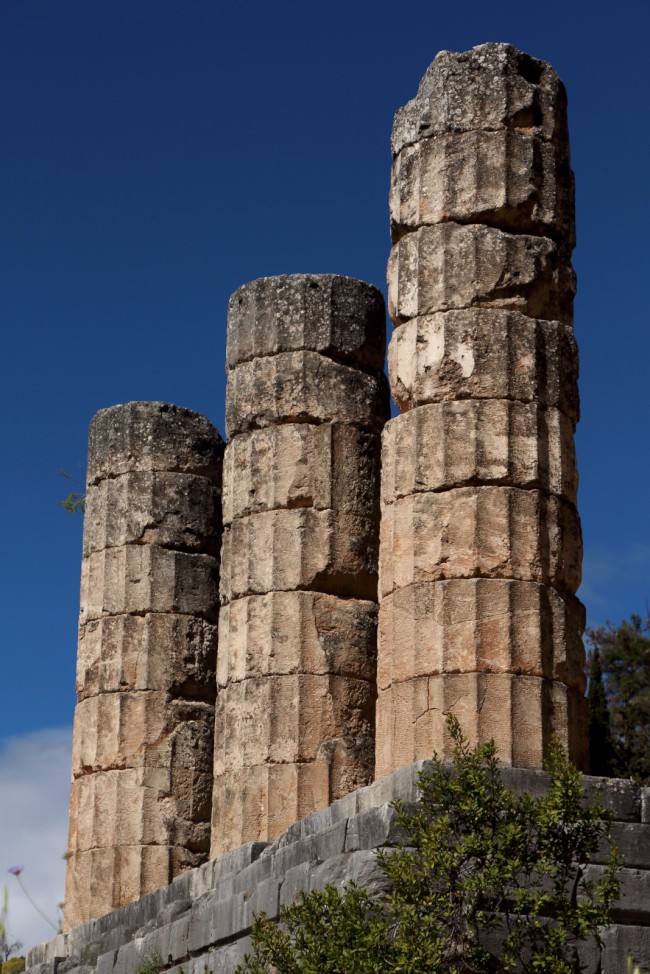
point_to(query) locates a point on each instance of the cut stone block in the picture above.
(101, 880)
(120, 808)
(488, 442)
(297, 632)
(339, 317)
(174, 510)
(453, 266)
(147, 578)
(290, 719)
(147, 436)
(331, 466)
(144, 729)
(259, 804)
(484, 354)
(483, 625)
(480, 532)
(300, 549)
(303, 387)
(490, 87)
(521, 714)
(504, 179)
(175, 653)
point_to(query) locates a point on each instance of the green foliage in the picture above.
(75, 502)
(471, 888)
(631, 968)
(14, 966)
(152, 964)
(625, 655)
(601, 743)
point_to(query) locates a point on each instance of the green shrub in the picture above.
(471, 888)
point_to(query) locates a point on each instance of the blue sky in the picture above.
(157, 154)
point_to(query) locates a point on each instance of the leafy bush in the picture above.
(472, 888)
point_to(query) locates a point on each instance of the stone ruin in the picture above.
(269, 626)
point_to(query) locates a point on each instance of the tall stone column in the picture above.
(144, 721)
(480, 536)
(306, 402)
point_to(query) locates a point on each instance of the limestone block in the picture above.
(490, 87)
(339, 317)
(484, 354)
(148, 436)
(118, 808)
(300, 549)
(452, 266)
(284, 633)
(147, 578)
(480, 532)
(174, 510)
(493, 441)
(483, 625)
(260, 803)
(333, 465)
(521, 714)
(176, 653)
(101, 880)
(303, 387)
(503, 179)
(289, 719)
(144, 729)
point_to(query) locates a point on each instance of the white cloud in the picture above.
(34, 797)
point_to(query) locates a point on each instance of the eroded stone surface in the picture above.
(146, 436)
(284, 633)
(521, 714)
(331, 466)
(491, 87)
(480, 532)
(326, 551)
(453, 266)
(340, 317)
(156, 651)
(484, 354)
(488, 442)
(303, 387)
(481, 625)
(504, 179)
(174, 510)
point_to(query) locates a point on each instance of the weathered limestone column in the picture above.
(306, 402)
(480, 536)
(144, 721)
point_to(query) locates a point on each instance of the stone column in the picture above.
(144, 721)
(480, 536)
(306, 402)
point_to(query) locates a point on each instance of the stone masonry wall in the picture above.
(296, 670)
(200, 924)
(480, 536)
(143, 726)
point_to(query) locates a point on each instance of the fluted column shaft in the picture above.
(480, 536)
(144, 721)
(306, 402)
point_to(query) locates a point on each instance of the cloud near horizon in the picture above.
(34, 798)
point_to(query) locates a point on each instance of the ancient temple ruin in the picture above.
(273, 631)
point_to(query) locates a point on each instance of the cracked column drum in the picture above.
(481, 546)
(296, 674)
(144, 721)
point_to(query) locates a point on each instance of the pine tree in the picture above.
(601, 742)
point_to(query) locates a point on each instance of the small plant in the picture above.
(485, 882)
(75, 502)
(152, 964)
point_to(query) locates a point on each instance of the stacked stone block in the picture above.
(480, 536)
(306, 402)
(143, 727)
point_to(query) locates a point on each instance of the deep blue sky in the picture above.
(157, 154)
